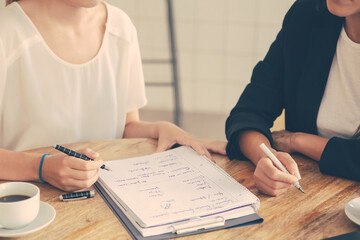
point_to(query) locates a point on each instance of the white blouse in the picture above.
(45, 100)
(339, 113)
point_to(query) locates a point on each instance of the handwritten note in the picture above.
(171, 186)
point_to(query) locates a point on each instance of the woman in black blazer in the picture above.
(294, 76)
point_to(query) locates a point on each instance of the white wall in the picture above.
(219, 42)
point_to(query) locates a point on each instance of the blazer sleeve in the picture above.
(341, 157)
(262, 100)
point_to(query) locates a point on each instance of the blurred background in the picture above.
(217, 42)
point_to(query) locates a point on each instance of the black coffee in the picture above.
(13, 198)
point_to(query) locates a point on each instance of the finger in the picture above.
(164, 145)
(264, 188)
(82, 165)
(215, 146)
(261, 176)
(218, 150)
(89, 153)
(276, 174)
(199, 148)
(196, 145)
(290, 164)
(218, 147)
(71, 184)
(271, 184)
(208, 155)
(81, 175)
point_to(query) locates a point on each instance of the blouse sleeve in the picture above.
(341, 157)
(136, 90)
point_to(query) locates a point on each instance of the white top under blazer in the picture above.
(45, 100)
(339, 113)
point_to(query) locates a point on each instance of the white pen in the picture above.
(278, 163)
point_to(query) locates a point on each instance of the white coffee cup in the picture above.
(18, 214)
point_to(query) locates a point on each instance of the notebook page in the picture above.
(166, 228)
(172, 186)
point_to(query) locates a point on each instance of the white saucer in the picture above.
(352, 210)
(45, 217)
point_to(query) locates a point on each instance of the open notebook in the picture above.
(175, 191)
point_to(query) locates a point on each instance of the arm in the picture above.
(168, 134)
(308, 144)
(275, 82)
(250, 121)
(261, 103)
(336, 156)
(249, 142)
(19, 166)
(59, 170)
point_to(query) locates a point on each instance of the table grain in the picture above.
(317, 214)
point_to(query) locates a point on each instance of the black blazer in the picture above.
(293, 77)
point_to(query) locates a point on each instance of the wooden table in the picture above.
(315, 215)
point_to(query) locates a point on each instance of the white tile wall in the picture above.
(218, 41)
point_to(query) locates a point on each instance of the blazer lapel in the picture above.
(316, 70)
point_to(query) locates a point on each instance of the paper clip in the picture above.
(197, 223)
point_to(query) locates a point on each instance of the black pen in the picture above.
(77, 195)
(72, 153)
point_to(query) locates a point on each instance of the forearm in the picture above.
(309, 144)
(19, 166)
(249, 142)
(140, 129)
(134, 128)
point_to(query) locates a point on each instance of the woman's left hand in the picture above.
(215, 146)
(282, 141)
(169, 135)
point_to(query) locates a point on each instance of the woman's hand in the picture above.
(169, 135)
(215, 146)
(70, 173)
(283, 141)
(271, 180)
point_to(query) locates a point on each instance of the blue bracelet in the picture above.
(40, 167)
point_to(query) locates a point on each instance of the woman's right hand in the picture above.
(70, 173)
(271, 180)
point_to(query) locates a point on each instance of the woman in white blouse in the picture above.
(70, 71)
